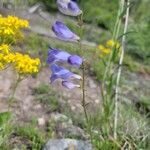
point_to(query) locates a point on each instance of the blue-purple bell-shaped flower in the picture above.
(68, 7)
(63, 32)
(65, 75)
(57, 55)
(62, 73)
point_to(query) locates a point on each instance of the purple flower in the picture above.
(63, 32)
(75, 60)
(62, 73)
(55, 55)
(70, 85)
(68, 7)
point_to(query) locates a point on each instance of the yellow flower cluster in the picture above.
(4, 51)
(10, 28)
(106, 49)
(23, 64)
(10, 31)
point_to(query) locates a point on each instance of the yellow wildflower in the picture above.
(111, 44)
(101, 47)
(4, 51)
(106, 49)
(10, 28)
(24, 64)
(4, 48)
(9, 58)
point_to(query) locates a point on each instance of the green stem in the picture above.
(120, 69)
(83, 93)
(14, 88)
(105, 89)
(80, 23)
(114, 38)
(83, 88)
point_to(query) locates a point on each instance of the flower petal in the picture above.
(63, 32)
(70, 85)
(73, 7)
(55, 55)
(62, 73)
(75, 60)
(68, 7)
(76, 76)
(55, 68)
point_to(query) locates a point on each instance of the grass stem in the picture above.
(120, 69)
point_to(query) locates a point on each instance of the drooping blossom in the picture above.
(70, 85)
(55, 55)
(68, 7)
(65, 75)
(62, 73)
(63, 32)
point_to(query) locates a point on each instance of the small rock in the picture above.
(34, 8)
(57, 117)
(69, 130)
(73, 108)
(41, 121)
(92, 84)
(97, 101)
(67, 144)
(37, 107)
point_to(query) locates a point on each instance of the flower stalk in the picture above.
(62, 32)
(83, 93)
(14, 88)
(80, 23)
